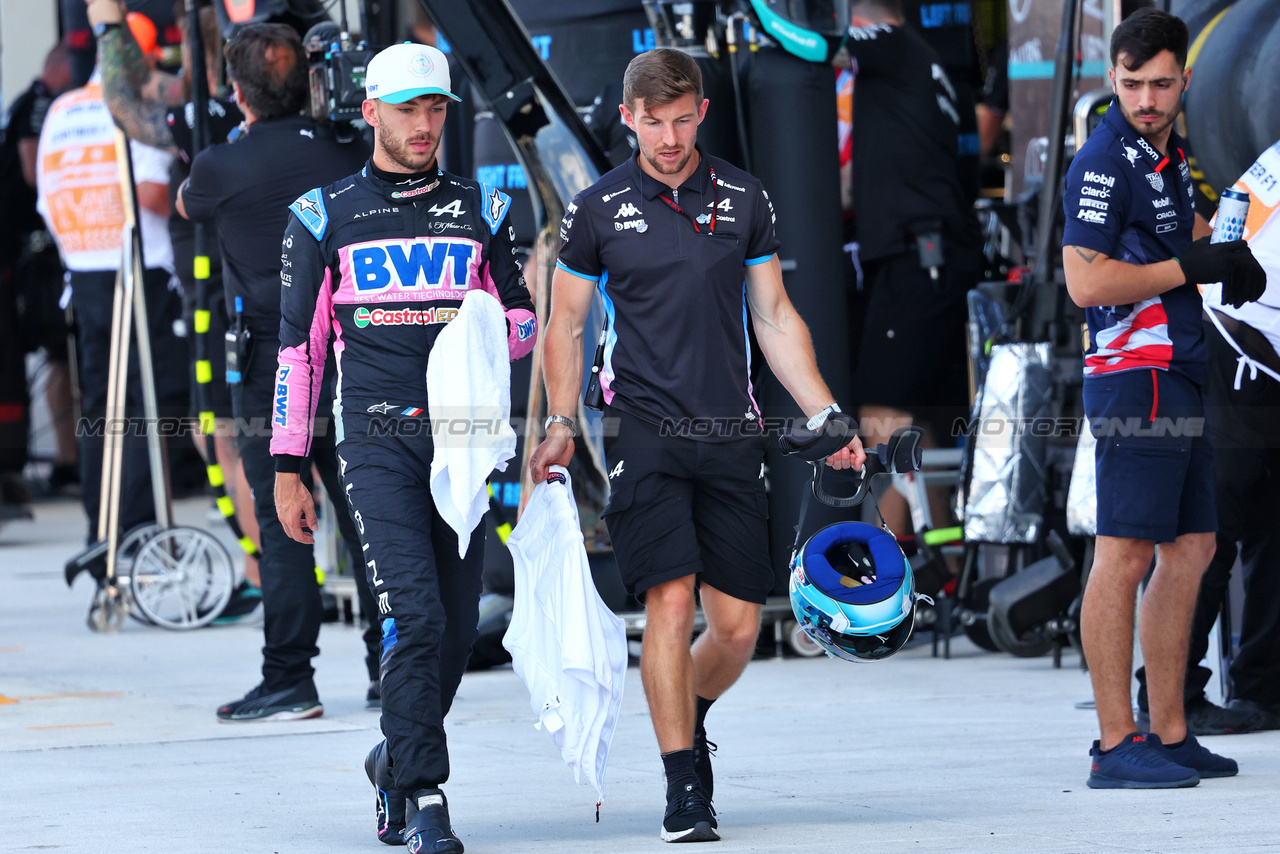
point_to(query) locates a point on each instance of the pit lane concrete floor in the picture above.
(108, 743)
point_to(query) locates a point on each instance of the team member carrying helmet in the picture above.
(384, 259)
(668, 239)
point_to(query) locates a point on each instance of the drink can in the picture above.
(1233, 208)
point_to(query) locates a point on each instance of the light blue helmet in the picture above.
(850, 619)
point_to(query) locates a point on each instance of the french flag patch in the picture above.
(412, 411)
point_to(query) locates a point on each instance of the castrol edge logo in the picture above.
(402, 316)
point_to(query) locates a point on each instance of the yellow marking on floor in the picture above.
(5, 701)
(64, 696)
(69, 726)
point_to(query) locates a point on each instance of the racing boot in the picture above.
(390, 806)
(427, 829)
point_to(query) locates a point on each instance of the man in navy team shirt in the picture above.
(1130, 260)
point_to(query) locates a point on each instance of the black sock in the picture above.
(704, 705)
(678, 765)
(1175, 745)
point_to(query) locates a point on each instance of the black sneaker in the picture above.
(244, 600)
(1204, 718)
(427, 829)
(373, 697)
(295, 703)
(1268, 714)
(702, 753)
(390, 806)
(690, 817)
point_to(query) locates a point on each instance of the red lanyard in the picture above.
(715, 191)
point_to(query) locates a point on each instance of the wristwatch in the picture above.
(559, 419)
(101, 28)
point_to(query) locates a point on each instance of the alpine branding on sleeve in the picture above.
(311, 212)
(495, 206)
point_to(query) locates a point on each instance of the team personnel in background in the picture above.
(384, 258)
(80, 198)
(668, 239)
(31, 277)
(148, 106)
(1130, 260)
(918, 238)
(245, 187)
(1243, 391)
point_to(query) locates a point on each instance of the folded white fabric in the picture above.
(566, 645)
(469, 404)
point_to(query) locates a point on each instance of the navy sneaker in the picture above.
(1137, 762)
(702, 753)
(427, 829)
(1194, 755)
(390, 801)
(690, 817)
(295, 703)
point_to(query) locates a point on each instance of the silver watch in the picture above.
(559, 419)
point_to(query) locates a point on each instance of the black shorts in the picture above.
(913, 355)
(681, 507)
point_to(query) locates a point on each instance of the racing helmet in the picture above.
(810, 29)
(853, 592)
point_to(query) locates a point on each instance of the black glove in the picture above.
(1247, 281)
(1231, 263)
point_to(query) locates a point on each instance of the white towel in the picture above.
(469, 403)
(566, 645)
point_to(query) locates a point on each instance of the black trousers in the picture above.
(427, 596)
(1246, 438)
(91, 300)
(291, 603)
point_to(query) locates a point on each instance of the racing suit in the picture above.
(384, 261)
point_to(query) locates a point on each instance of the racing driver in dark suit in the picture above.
(382, 260)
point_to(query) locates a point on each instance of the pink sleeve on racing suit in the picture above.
(522, 325)
(501, 276)
(299, 378)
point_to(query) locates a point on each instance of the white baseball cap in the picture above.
(402, 72)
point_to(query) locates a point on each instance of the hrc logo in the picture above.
(411, 264)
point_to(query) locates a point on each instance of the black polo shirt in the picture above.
(674, 291)
(907, 125)
(246, 187)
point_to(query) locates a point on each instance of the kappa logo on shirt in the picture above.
(627, 209)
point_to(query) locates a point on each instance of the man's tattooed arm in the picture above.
(137, 95)
(1088, 257)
